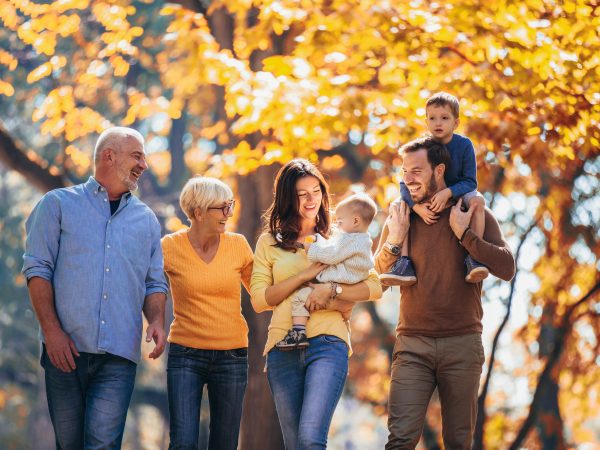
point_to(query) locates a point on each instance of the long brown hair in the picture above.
(282, 219)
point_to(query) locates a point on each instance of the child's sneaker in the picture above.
(476, 272)
(302, 340)
(293, 339)
(402, 273)
(289, 342)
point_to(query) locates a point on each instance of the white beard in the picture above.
(125, 177)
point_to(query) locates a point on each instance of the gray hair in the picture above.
(113, 138)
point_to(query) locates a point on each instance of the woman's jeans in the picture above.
(307, 385)
(88, 406)
(226, 374)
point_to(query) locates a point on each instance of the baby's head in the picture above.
(355, 214)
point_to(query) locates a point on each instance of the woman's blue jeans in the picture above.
(225, 372)
(88, 406)
(307, 385)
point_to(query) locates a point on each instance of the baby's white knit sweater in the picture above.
(348, 255)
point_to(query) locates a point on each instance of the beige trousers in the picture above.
(419, 365)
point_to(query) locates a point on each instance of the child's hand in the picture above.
(439, 200)
(308, 241)
(312, 271)
(428, 216)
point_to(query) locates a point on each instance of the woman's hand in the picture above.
(311, 271)
(319, 298)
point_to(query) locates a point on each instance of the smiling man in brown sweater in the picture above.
(439, 330)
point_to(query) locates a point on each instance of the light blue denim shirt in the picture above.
(101, 266)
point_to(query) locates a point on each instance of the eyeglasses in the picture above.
(227, 209)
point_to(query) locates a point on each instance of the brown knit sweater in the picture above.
(442, 303)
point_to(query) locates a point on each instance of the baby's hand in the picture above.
(439, 200)
(308, 241)
(428, 216)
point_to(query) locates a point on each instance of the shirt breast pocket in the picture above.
(134, 247)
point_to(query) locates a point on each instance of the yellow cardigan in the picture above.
(207, 297)
(273, 265)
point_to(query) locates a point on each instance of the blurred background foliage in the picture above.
(234, 88)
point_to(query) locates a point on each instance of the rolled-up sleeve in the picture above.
(43, 239)
(262, 275)
(374, 285)
(155, 278)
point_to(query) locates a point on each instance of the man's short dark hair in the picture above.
(437, 153)
(444, 99)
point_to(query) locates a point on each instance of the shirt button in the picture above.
(104, 296)
(107, 269)
(103, 322)
(107, 245)
(105, 200)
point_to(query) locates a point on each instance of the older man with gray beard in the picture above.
(93, 264)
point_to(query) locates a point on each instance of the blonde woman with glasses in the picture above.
(206, 267)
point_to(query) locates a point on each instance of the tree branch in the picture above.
(14, 156)
(546, 376)
(355, 165)
(481, 413)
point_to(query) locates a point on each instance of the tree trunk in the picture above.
(478, 438)
(260, 427)
(549, 422)
(549, 374)
(179, 172)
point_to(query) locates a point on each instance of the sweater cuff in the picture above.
(468, 239)
(384, 260)
(374, 285)
(259, 301)
(462, 238)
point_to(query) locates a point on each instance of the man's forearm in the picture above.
(154, 308)
(384, 259)
(41, 293)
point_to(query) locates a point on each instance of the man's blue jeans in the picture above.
(88, 406)
(307, 385)
(225, 372)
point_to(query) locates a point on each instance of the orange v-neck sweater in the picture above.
(207, 296)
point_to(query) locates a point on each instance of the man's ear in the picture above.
(440, 170)
(108, 155)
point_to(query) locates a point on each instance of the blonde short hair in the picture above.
(360, 204)
(203, 192)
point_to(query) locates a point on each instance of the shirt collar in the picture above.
(94, 187)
